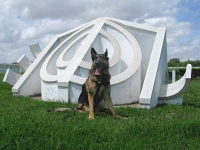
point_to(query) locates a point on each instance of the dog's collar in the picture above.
(99, 81)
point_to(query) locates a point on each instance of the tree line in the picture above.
(175, 62)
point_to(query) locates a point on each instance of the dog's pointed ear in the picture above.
(93, 53)
(106, 52)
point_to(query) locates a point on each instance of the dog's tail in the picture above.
(64, 110)
(61, 109)
(83, 98)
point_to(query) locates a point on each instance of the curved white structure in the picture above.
(172, 93)
(35, 49)
(24, 62)
(138, 63)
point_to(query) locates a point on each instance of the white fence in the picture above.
(173, 69)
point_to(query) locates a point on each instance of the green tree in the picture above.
(174, 62)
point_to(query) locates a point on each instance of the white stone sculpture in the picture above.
(138, 64)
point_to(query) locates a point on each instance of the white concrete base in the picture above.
(145, 106)
(49, 91)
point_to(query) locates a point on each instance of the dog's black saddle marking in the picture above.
(83, 98)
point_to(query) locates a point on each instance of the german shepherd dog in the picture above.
(96, 89)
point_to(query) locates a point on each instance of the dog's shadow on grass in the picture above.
(105, 112)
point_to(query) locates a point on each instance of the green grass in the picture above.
(25, 124)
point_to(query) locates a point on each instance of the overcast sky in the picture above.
(24, 22)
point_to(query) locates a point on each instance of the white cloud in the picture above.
(171, 11)
(176, 33)
(25, 22)
(175, 29)
(90, 9)
(42, 27)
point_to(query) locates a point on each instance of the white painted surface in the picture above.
(127, 92)
(63, 94)
(75, 91)
(32, 85)
(49, 91)
(146, 41)
(63, 81)
(175, 90)
(156, 72)
(24, 62)
(35, 49)
(11, 77)
(33, 68)
(173, 76)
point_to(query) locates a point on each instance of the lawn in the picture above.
(26, 124)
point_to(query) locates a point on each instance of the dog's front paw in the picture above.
(119, 117)
(91, 116)
(125, 118)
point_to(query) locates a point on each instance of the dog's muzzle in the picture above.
(97, 69)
